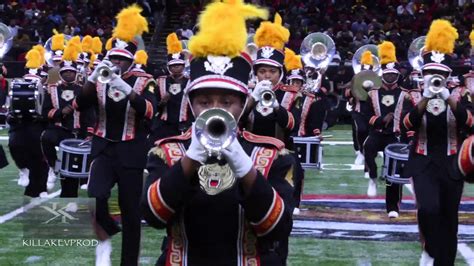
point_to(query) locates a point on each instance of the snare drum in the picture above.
(309, 151)
(395, 158)
(24, 99)
(74, 158)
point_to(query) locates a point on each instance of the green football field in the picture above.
(338, 224)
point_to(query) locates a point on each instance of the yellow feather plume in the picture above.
(130, 23)
(96, 45)
(222, 29)
(57, 41)
(366, 58)
(93, 58)
(87, 44)
(72, 50)
(272, 34)
(173, 44)
(41, 51)
(387, 53)
(33, 59)
(108, 44)
(141, 57)
(471, 36)
(441, 37)
(292, 61)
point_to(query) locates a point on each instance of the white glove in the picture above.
(119, 84)
(95, 74)
(196, 151)
(444, 94)
(427, 93)
(237, 158)
(259, 88)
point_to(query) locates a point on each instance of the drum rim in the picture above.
(391, 154)
(81, 150)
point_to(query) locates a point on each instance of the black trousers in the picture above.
(3, 158)
(162, 130)
(360, 130)
(106, 170)
(25, 149)
(374, 143)
(438, 198)
(298, 180)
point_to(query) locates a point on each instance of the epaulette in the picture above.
(257, 139)
(137, 74)
(289, 88)
(158, 151)
(185, 136)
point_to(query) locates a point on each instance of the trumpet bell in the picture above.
(216, 129)
(317, 50)
(106, 74)
(357, 58)
(436, 84)
(267, 98)
(415, 52)
(362, 82)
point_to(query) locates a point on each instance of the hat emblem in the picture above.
(267, 51)
(390, 65)
(218, 64)
(437, 57)
(120, 44)
(295, 72)
(67, 63)
(175, 56)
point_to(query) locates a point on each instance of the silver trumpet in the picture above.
(436, 84)
(216, 129)
(267, 98)
(106, 73)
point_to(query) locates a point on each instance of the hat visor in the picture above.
(176, 62)
(295, 77)
(121, 52)
(436, 66)
(268, 62)
(216, 81)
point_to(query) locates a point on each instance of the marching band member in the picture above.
(385, 113)
(125, 106)
(233, 211)
(24, 137)
(360, 109)
(173, 114)
(3, 98)
(282, 118)
(438, 120)
(65, 122)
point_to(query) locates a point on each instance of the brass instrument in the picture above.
(48, 56)
(107, 72)
(415, 58)
(216, 129)
(436, 84)
(251, 48)
(267, 98)
(6, 39)
(357, 58)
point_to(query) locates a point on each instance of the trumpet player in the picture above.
(125, 107)
(278, 117)
(173, 114)
(438, 121)
(212, 207)
(384, 119)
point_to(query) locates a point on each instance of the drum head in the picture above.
(399, 151)
(76, 145)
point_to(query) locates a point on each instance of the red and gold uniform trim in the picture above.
(272, 217)
(373, 119)
(263, 159)
(465, 160)
(263, 140)
(291, 121)
(157, 205)
(406, 121)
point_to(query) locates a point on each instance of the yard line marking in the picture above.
(466, 253)
(337, 142)
(32, 204)
(3, 137)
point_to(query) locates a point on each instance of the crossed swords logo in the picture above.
(58, 213)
